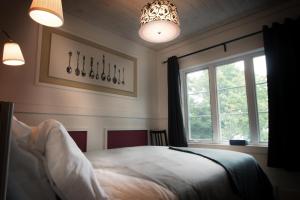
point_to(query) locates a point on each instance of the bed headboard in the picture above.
(80, 138)
(6, 113)
(126, 138)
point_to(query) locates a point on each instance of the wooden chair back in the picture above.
(158, 137)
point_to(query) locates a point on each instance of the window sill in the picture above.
(250, 149)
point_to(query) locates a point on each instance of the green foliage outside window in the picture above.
(232, 98)
(199, 105)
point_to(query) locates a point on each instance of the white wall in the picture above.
(75, 109)
(286, 183)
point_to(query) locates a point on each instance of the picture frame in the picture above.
(71, 61)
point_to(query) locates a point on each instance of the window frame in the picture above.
(214, 104)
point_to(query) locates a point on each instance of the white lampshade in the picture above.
(12, 54)
(47, 12)
(159, 22)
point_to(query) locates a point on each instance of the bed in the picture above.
(139, 172)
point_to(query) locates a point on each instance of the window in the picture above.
(226, 100)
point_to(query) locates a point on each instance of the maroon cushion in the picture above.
(126, 138)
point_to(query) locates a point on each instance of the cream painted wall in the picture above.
(76, 109)
(287, 184)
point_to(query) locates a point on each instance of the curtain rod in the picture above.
(217, 45)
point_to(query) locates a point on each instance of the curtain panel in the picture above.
(282, 49)
(176, 131)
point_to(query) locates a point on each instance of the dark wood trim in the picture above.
(6, 113)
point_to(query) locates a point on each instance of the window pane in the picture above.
(231, 75)
(263, 126)
(199, 104)
(260, 71)
(233, 108)
(234, 125)
(262, 97)
(199, 112)
(232, 100)
(201, 127)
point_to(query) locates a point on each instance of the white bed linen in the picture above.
(120, 185)
(123, 187)
(150, 172)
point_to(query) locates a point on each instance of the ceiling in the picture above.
(122, 16)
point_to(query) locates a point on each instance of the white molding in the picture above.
(184, 105)
(251, 98)
(77, 129)
(38, 55)
(30, 108)
(93, 115)
(214, 103)
(89, 115)
(105, 137)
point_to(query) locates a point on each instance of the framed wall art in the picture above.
(68, 60)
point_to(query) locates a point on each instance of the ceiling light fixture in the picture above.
(159, 22)
(47, 12)
(12, 54)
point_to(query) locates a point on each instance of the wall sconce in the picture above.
(47, 12)
(12, 54)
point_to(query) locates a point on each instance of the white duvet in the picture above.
(153, 172)
(72, 175)
(120, 186)
(136, 173)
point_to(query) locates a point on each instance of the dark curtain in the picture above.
(176, 131)
(282, 49)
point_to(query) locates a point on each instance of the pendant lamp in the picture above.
(159, 22)
(47, 12)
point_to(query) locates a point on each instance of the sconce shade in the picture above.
(159, 22)
(12, 54)
(47, 12)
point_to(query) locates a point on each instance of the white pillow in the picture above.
(27, 178)
(24, 140)
(71, 175)
(21, 132)
(69, 169)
